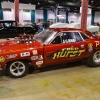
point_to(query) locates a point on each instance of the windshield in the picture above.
(45, 36)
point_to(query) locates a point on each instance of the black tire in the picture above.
(31, 70)
(94, 59)
(17, 69)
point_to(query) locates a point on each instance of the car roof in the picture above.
(66, 29)
(72, 29)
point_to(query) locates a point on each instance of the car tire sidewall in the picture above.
(91, 61)
(14, 76)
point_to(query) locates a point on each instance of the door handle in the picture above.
(82, 45)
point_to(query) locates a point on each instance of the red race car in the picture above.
(51, 46)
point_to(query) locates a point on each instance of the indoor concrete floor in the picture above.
(73, 81)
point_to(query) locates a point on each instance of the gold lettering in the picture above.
(63, 49)
(56, 55)
(80, 52)
(71, 48)
(74, 53)
(61, 55)
(71, 54)
(97, 43)
(67, 54)
(68, 49)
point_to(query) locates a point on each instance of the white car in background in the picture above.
(58, 25)
(91, 28)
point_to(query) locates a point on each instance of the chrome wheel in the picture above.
(96, 57)
(17, 69)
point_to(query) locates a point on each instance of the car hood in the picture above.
(13, 46)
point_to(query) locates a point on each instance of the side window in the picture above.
(7, 24)
(78, 37)
(68, 37)
(57, 40)
(84, 36)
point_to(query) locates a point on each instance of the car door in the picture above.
(64, 48)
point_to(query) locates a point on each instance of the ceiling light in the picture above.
(38, 3)
(92, 1)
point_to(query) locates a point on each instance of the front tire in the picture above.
(94, 59)
(17, 69)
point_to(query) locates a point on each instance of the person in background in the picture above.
(46, 25)
(40, 25)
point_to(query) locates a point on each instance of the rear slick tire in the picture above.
(94, 59)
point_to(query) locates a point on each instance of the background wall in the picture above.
(9, 15)
(26, 16)
(39, 15)
(97, 17)
(76, 17)
(62, 13)
(51, 15)
(73, 17)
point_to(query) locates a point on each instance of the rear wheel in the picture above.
(94, 59)
(17, 69)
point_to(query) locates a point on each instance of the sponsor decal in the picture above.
(2, 59)
(34, 57)
(40, 57)
(25, 54)
(69, 41)
(90, 47)
(97, 43)
(39, 63)
(35, 52)
(11, 56)
(66, 52)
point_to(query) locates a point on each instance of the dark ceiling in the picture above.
(70, 5)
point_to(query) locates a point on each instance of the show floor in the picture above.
(73, 81)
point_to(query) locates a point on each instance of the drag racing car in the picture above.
(49, 47)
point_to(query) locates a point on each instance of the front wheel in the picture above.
(94, 59)
(17, 69)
